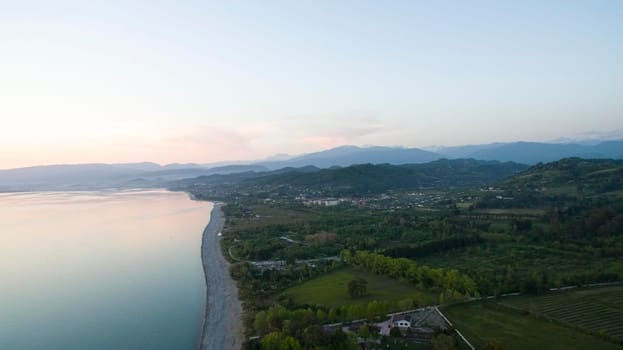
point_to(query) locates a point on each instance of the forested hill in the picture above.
(571, 176)
(368, 178)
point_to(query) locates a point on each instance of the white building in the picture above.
(401, 321)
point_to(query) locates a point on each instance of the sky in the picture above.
(203, 81)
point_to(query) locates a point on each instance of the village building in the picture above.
(401, 321)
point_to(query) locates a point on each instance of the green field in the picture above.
(598, 310)
(483, 321)
(330, 290)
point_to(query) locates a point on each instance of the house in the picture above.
(326, 202)
(401, 321)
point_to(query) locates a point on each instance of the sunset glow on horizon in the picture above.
(202, 82)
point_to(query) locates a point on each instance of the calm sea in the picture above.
(101, 270)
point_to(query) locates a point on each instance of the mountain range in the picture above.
(536, 152)
(360, 179)
(97, 176)
(518, 152)
(102, 176)
(349, 155)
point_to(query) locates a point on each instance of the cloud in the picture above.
(197, 143)
(325, 141)
(259, 139)
(208, 143)
(343, 134)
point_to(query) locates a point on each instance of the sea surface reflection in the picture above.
(101, 270)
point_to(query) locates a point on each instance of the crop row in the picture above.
(591, 316)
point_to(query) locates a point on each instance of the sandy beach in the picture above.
(222, 326)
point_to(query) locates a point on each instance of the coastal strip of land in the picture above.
(222, 326)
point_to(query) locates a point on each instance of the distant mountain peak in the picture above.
(347, 155)
(592, 137)
(278, 157)
(529, 152)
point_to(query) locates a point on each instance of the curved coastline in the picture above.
(222, 325)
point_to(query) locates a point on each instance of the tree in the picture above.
(341, 341)
(253, 344)
(290, 343)
(444, 342)
(275, 317)
(313, 336)
(321, 315)
(272, 341)
(405, 304)
(261, 324)
(376, 310)
(395, 332)
(357, 287)
(364, 331)
(332, 316)
(279, 341)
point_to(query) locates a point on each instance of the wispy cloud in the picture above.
(332, 136)
(218, 142)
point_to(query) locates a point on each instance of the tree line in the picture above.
(281, 329)
(402, 268)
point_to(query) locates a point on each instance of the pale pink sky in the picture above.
(168, 81)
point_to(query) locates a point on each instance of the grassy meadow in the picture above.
(330, 290)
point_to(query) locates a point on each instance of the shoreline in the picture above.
(222, 321)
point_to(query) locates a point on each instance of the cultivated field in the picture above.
(598, 310)
(483, 321)
(267, 215)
